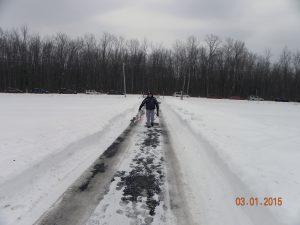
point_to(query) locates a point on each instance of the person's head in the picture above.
(150, 94)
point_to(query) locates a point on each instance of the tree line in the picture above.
(210, 67)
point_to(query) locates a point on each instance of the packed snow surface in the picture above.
(138, 191)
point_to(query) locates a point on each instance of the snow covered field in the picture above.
(47, 141)
(224, 149)
(230, 149)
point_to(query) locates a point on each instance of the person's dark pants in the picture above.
(150, 116)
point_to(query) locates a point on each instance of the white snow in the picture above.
(225, 149)
(230, 149)
(47, 141)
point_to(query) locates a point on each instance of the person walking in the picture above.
(151, 103)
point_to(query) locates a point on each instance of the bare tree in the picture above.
(213, 68)
(213, 43)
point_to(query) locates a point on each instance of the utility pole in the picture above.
(124, 80)
(182, 88)
(207, 84)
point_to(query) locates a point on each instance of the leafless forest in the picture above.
(201, 67)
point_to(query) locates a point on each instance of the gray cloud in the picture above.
(260, 23)
(56, 12)
(2, 5)
(202, 9)
(297, 4)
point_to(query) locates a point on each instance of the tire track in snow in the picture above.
(54, 159)
(175, 184)
(30, 181)
(79, 201)
(126, 185)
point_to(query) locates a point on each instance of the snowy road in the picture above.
(126, 185)
(138, 192)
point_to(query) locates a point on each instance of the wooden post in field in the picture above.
(124, 80)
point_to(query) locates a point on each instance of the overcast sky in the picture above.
(261, 24)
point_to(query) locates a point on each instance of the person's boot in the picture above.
(152, 124)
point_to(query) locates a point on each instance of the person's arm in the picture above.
(143, 103)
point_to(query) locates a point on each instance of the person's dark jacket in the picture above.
(150, 102)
